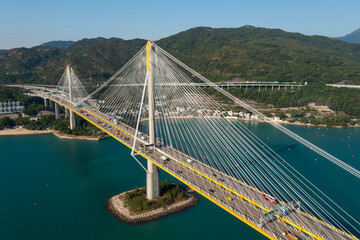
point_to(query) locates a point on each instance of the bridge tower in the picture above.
(72, 115)
(152, 175)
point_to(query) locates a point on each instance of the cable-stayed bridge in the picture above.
(152, 106)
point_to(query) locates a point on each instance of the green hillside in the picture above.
(353, 37)
(223, 54)
(250, 53)
(245, 53)
(58, 44)
(92, 59)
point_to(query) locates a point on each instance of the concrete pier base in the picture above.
(46, 103)
(152, 181)
(72, 120)
(57, 115)
(51, 104)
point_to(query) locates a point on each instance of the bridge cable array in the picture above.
(193, 123)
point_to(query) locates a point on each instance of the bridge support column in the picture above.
(72, 120)
(152, 175)
(57, 115)
(51, 104)
(152, 181)
(46, 102)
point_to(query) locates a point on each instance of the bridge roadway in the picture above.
(247, 202)
(272, 85)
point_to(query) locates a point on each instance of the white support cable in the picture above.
(226, 147)
(137, 125)
(113, 77)
(313, 147)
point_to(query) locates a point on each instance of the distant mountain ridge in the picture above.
(245, 54)
(58, 44)
(2, 51)
(353, 37)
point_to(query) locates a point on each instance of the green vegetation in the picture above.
(58, 44)
(225, 54)
(92, 59)
(259, 54)
(170, 193)
(33, 105)
(328, 121)
(83, 127)
(343, 99)
(245, 53)
(6, 122)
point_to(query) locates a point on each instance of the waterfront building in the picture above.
(11, 107)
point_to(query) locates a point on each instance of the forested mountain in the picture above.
(58, 44)
(245, 53)
(92, 59)
(353, 37)
(2, 51)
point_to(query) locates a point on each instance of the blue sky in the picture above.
(27, 23)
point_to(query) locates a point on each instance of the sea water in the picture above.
(57, 189)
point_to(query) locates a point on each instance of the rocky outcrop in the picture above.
(118, 209)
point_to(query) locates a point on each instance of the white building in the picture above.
(10, 107)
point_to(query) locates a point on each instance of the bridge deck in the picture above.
(247, 203)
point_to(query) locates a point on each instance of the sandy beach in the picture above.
(22, 131)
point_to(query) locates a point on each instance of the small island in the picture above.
(132, 207)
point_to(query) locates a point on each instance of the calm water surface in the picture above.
(56, 189)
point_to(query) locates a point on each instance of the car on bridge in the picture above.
(270, 199)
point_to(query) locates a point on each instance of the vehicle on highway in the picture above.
(289, 235)
(270, 199)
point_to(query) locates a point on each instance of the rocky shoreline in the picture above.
(72, 137)
(116, 207)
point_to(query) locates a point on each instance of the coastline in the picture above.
(23, 131)
(295, 124)
(73, 137)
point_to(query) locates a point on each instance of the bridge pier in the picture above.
(72, 120)
(51, 104)
(57, 115)
(46, 102)
(152, 181)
